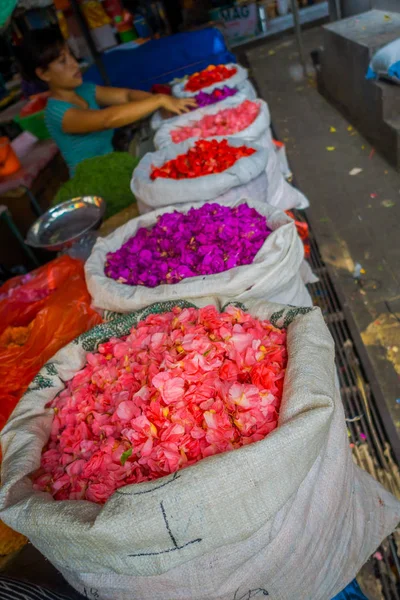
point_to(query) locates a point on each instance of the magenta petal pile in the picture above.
(207, 240)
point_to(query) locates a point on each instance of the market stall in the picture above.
(176, 406)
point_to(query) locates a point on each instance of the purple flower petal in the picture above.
(207, 240)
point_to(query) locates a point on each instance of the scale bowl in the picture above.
(64, 224)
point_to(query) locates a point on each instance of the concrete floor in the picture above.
(355, 218)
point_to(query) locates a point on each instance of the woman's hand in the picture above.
(178, 106)
(79, 120)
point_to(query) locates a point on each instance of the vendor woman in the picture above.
(81, 117)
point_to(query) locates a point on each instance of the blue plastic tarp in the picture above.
(160, 61)
(351, 592)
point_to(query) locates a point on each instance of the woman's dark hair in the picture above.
(38, 50)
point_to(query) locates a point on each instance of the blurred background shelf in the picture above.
(308, 14)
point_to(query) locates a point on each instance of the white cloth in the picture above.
(274, 275)
(289, 517)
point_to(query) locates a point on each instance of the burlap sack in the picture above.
(246, 90)
(274, 275)
(290, 517)
(258, 130)
(246, 178)
(235, 81)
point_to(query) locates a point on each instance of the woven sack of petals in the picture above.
(280, 193)
(245, 89)
(290, 516)
(254, 132)
(275, 273)
(239, 77)
(246, 178)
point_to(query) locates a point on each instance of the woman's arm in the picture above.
(111, 96)
(79, 120)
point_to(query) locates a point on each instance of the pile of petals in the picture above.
(207, 240)
(210, 75)
(204, 158)
(227, 121)
(218, 94)
(182, 386)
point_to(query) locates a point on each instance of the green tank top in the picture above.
(76, 147)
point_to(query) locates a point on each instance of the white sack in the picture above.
(283, 161)
(289, 518)
(246, 91)
(246, 177)
(258, 129)
(157, 120)
(236, 80)
(281, 193)
(274, 274)
(307, 274)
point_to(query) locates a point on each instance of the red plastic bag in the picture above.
(22, 297)
(52, 306)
